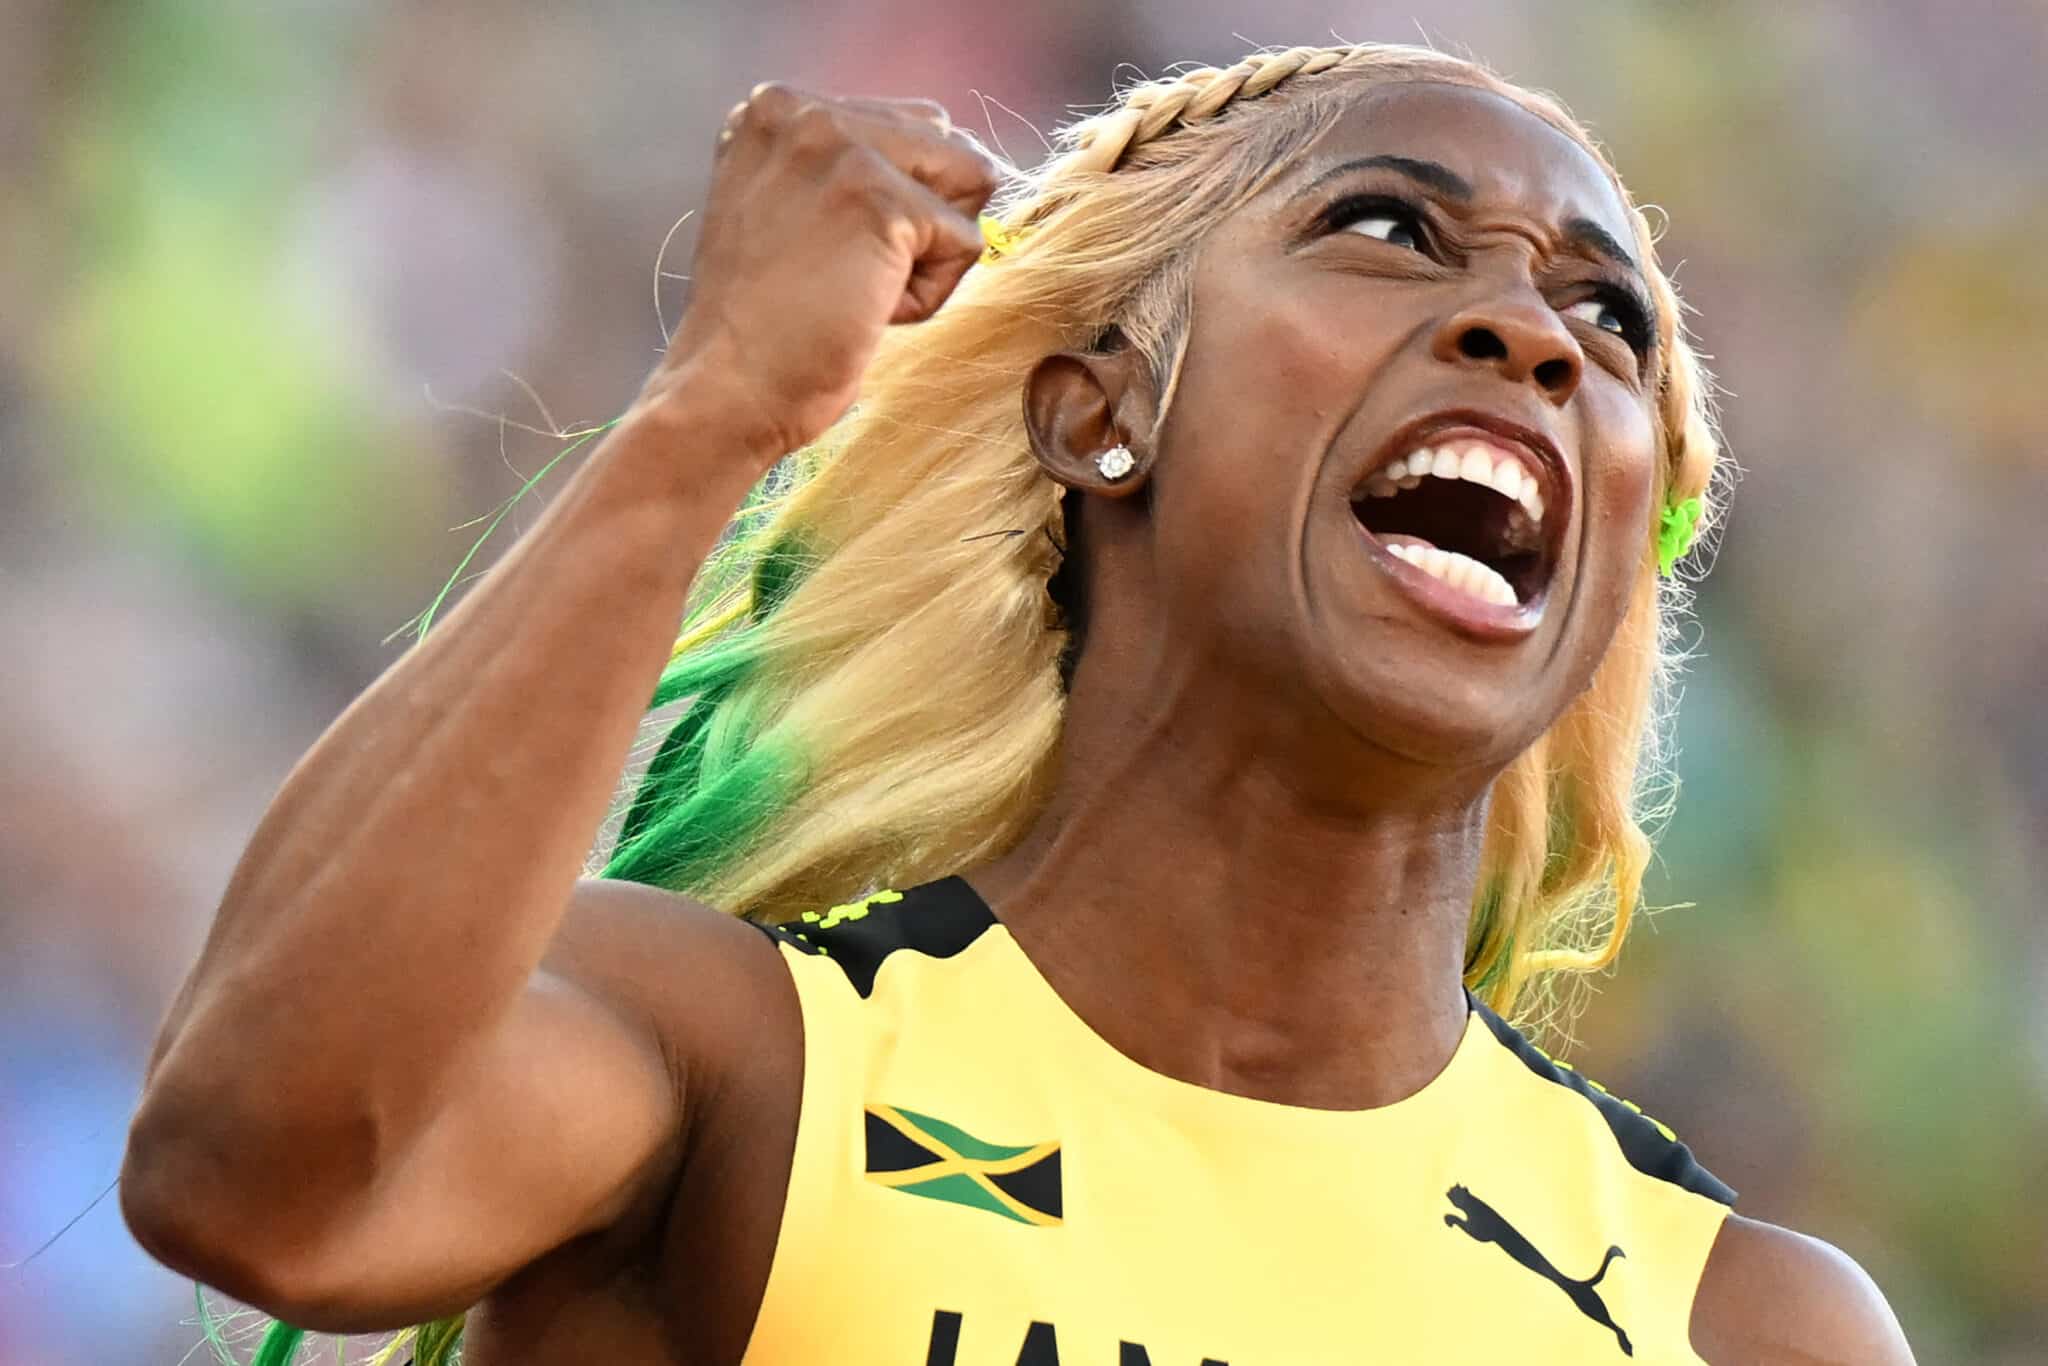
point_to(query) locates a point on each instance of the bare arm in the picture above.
(1772, 1297)
(372, 1097)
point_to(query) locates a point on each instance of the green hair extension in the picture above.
(720, 775)
(698, 807)
(1677, 529)
(210, 1327)
(433, 1344)
(419, 624)
(280, 1345)
(438, 1343)
(782, 568)
(1486, 951)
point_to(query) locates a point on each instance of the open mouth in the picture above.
(1465, 510)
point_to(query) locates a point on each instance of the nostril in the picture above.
(1481, 343)
(1554, 375)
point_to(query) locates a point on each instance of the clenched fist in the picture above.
(827, 220)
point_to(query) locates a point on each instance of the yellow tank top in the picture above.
(980, 1180)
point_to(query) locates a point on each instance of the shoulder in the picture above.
(627, 933)
(709, 986)
(1772, 1297)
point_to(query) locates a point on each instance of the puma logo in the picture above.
(1485, 1224)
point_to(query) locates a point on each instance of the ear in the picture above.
(1078, 404)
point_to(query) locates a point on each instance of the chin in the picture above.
(1450, 724)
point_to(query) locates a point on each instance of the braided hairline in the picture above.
(1156, 108)
(1151, 110)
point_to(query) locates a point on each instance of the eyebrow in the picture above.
(1586, 233)
(1434, 174)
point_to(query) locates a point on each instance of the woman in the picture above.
(1160, 786)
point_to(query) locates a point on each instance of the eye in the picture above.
(1600, 313)
(1392, 228)
(1390, 220)
(1614, 311)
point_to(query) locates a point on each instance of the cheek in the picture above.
(1621, 481)
(1263, 386)
(1278, 354)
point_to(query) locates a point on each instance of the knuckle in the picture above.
(856, 170)
(816, 128)
(770, 102)
(855, 183)
(978, 171)
(893, 219)
(729, 127)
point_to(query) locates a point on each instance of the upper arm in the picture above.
(1772, 1297)
(571, 1115)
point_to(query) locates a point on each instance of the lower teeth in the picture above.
(1461, 572)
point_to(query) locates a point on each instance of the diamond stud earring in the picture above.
(1116, 462)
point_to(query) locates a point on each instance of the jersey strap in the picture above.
(1650, 1146)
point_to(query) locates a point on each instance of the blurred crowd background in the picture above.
(289, 289)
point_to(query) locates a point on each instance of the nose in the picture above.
(1518, 335)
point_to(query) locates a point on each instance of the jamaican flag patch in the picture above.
(919, 1155)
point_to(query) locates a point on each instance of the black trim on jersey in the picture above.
(938, 920)
(1641, 1141)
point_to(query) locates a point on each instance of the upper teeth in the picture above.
(1473, 461)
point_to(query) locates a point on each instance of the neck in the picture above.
(1215, 908)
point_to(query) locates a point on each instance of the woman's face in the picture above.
(1445, 281)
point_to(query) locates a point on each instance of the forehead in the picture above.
(1513, 159)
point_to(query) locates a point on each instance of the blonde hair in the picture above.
(875, 662)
